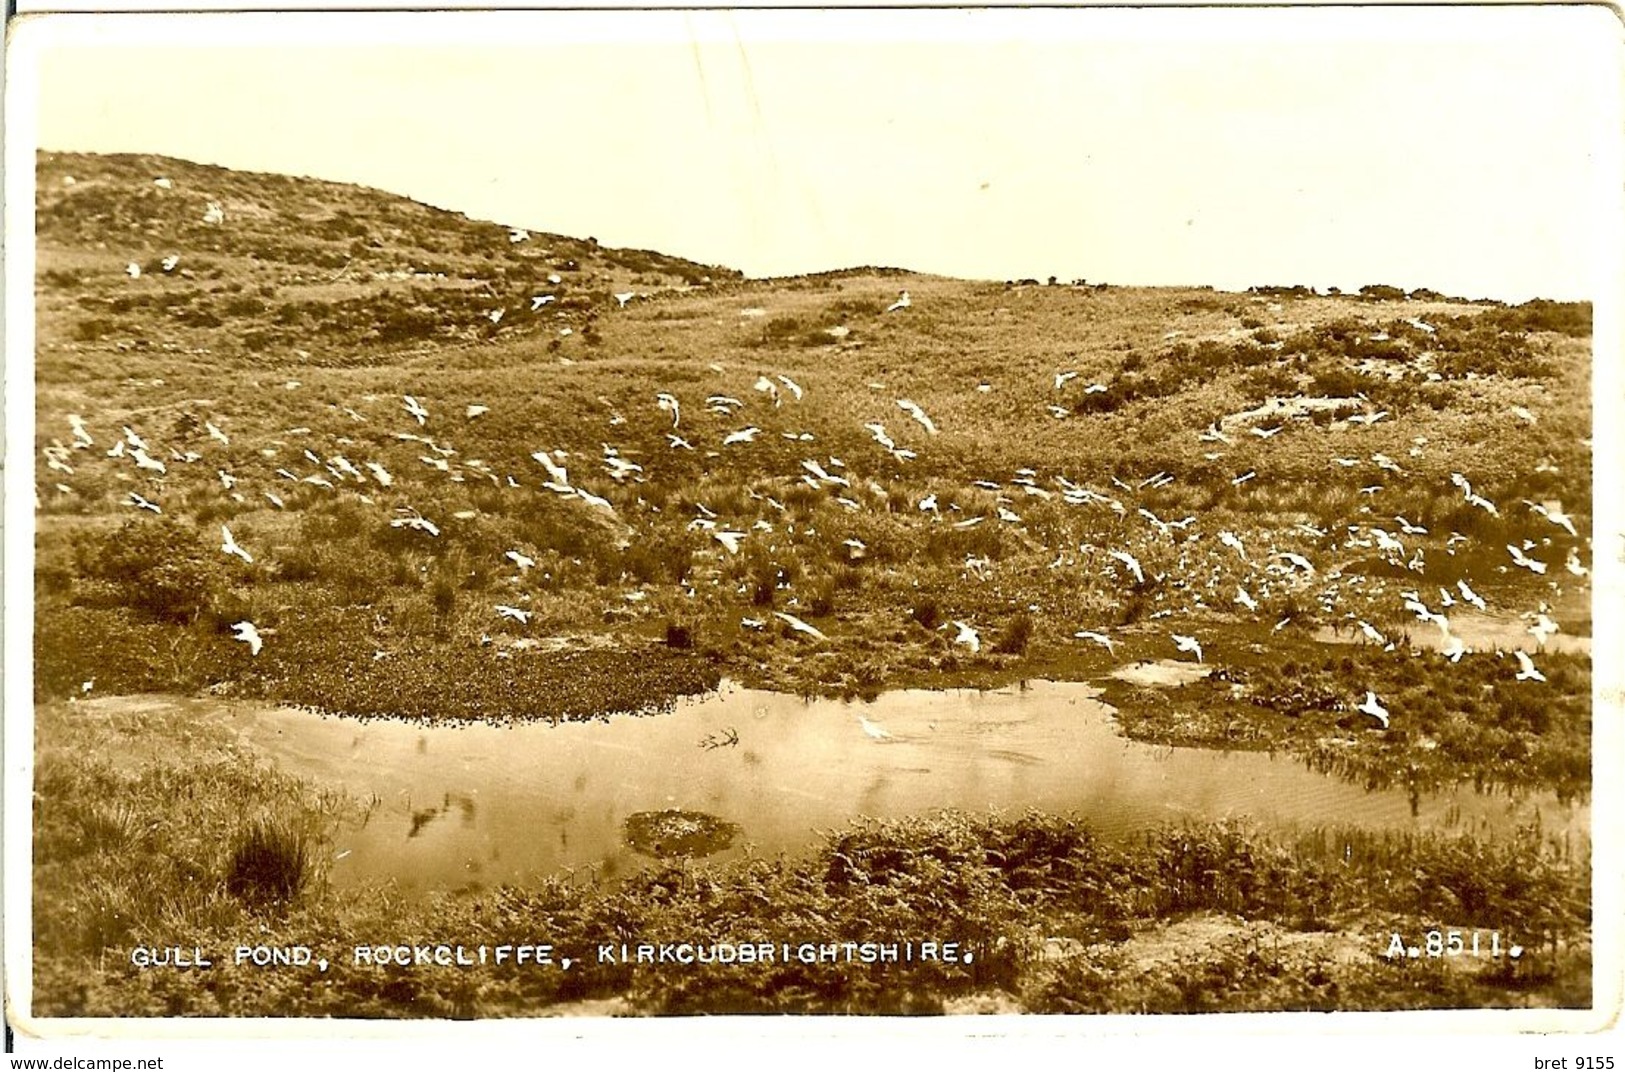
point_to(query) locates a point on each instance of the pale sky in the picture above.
(1474, 151)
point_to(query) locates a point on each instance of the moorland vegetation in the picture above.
(478, 473)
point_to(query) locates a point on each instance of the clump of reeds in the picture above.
(270, 863)
(1013, 640)
(927, 612)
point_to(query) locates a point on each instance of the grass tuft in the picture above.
(270, 863)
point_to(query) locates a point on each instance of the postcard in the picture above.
(874, 524)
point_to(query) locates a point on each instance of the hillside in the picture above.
(330, 448)
(314, 272)
(1064, 422)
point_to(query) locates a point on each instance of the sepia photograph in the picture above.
(984, 516)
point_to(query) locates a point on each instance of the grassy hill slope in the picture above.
(1062, 425)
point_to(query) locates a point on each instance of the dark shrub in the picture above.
(926, 612)
(444, 596)
(245, 305)
(842, 308)
(1337, 381)
(763, 574)
(328, 523)
(158, 566)
(1019, 630)
(94, 329)
(821, 600)
(1135, 605)
(200, 318)
(1539, 314)
(1269, 380)
(59, 277)
(258, 341)
(675, 554)
(1380, 292)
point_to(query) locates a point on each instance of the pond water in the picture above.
(477, 805)
(1478, 632)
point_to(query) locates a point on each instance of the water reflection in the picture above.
(463, 802)
(540, 799)
(1478, 632)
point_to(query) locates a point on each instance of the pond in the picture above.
(1496, 631)
(1478, 633)
(478, 805)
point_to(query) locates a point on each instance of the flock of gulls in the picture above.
(1216, 571)
(1207, 579)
